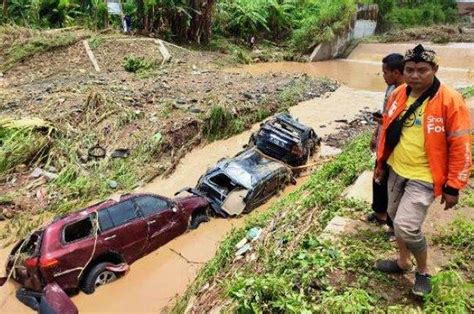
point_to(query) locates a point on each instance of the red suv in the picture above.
(95, 245)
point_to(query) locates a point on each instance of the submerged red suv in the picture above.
(74, 253)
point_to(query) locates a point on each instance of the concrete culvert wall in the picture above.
(362, 25)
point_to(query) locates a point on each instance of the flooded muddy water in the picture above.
(363, 70)
(156, 280)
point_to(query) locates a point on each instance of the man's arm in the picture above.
(458, 133)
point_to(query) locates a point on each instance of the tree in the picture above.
(5, 7)
(201, 20)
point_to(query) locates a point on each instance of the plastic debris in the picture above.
(112, 184)
(241, 243)
(120, 153)
(157, 137)
(244, 249)
(254, 233)
(38, 172)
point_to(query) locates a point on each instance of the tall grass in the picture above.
(20, 146)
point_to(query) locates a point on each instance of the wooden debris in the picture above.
(91, 56)
(164, 51)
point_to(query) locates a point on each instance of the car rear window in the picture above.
(32, 246)
(150, 205)
(78, 230)
(122, 213)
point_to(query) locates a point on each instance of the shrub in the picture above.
(331, 19)
(136, 65)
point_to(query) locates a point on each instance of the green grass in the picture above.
(468, 91)
(458, 235)
(350, 301)
(451, 294)
(220, 122)
(135, 64)
(292, 93)
(96, 41)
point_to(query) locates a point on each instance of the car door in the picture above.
(162, 218)
(124, 230)
(265, 190)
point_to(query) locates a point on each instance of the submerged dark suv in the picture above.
(285, 139)
(239, 184)
(95, 245)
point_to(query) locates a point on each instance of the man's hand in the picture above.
(379, 175)
(449, 200)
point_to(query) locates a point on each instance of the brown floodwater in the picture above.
(156, 280)
(362, 69)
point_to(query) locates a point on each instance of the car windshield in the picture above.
(240, 175)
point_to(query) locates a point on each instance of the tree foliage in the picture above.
(301, 22)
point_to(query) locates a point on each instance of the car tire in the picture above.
(197, 219)
(251, 142)
(98, 276)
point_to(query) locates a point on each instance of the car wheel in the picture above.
(98, 276)
(311, 147)
(251, 142)
(197, 219)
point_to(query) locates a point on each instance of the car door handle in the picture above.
(151, 222)
(111, 237)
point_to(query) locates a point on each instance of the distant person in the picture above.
(252, 42)
(426, 142)
(127, 23)
(392, 67)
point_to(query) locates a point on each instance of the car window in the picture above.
(122, 213)
(105, 222)
(150, 205)
(78, 230)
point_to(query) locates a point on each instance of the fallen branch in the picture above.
(184, 257)
(91, 56)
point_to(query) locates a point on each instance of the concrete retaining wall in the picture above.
(362, 25)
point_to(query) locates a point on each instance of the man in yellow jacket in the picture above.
(425, 141)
